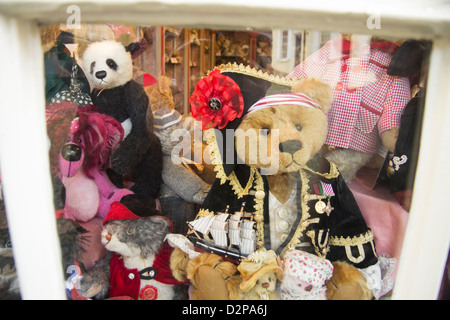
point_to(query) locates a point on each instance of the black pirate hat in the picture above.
(237, 80)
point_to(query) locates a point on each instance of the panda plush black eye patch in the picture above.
(92, 67)
(112, 64)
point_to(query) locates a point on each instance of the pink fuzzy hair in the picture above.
(58, 124)
(100, 135)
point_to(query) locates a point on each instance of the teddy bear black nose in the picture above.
(71, 152)
(100, 74)
(290, 146)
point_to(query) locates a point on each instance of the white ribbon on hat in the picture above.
(298, 99)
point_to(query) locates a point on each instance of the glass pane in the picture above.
(347, 198)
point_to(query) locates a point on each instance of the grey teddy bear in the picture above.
(182, 189)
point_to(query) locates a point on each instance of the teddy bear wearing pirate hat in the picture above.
(305, 204)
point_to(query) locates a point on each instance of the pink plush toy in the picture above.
(304, 276)
(83, 161)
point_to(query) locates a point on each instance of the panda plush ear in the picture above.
(136, 48)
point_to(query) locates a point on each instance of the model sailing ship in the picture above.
(225, 234)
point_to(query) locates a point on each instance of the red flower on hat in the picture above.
(216, 100)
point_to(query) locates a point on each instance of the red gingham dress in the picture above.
(366, 100)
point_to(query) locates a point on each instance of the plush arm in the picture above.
(184, 182)
(397, 97)
(136, 143)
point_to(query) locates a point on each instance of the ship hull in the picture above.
(208, 246)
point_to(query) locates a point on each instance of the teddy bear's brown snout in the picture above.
(290, 146)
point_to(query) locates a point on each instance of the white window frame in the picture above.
(289, 43)
(23, 142)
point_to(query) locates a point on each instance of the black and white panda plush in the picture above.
(138, 158)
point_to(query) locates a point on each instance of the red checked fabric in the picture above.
(366, 100)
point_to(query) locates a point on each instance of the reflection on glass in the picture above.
(373, 124)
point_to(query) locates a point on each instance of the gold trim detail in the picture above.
(247, 70)
(321, 249)
(237, 188)
(304, 221)
(305, 213)
(362, 239)
(254, 178)
(333, 173)
(355, 241)
(203, 213)
(348, 252)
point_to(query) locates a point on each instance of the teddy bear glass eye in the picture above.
(92, 67)
(298, 127)
(265, 131)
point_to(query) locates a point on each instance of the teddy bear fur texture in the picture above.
(212, 266)
(160, 94)
(264, 288)
(206, 266)
(340, 288)
(109, 68)
(259, 273)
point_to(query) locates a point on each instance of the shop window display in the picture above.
(186, 57)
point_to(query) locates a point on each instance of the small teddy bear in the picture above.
(264, 288)
(259, 273)
(304, 276)
(137, 263)
(160, 94)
